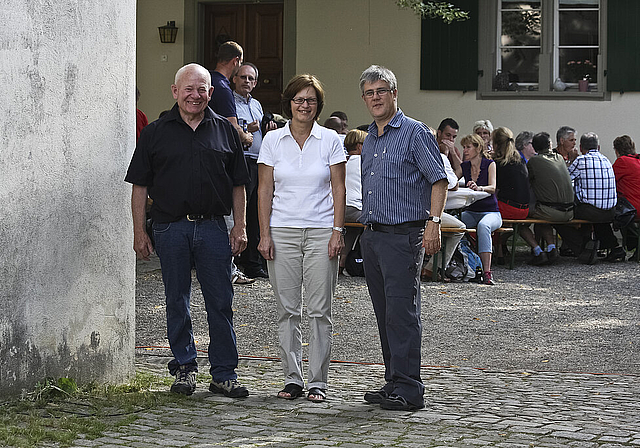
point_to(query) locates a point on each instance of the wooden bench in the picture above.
(516, 223)
(443, 230)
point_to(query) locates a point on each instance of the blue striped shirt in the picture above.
(398, 169)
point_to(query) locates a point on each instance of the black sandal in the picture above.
(293, 389)
(318, 392)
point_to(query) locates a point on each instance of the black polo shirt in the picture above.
(187, 171)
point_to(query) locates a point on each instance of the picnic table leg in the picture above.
(434, 266)
(443, 250)
(516, 227)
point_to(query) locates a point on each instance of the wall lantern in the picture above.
(168, 32)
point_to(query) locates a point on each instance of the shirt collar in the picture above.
(174, 114)
(395, 122)
(316, 131)
(242, 99)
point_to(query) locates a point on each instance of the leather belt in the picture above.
(515, 204)
(402, 229)
(194, 217)
(561, 206)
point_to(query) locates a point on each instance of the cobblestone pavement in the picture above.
(509, 353)
(466, 407)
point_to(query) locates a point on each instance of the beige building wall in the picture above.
(337, 47)
(67, 270)
(336, 40)
(157, 63)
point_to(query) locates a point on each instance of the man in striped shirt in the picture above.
(404, 187)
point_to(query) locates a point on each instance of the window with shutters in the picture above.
(534, 43)
(542, 48)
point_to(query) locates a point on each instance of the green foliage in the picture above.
(58, 411)
(434, 10)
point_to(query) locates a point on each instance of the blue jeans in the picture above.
(205, 244)
(484, 223)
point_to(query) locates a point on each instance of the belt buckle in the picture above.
(192, 217)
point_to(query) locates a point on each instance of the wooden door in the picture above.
(258, 29)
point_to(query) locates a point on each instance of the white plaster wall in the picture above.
(337, 47)
(68, 131)
(155, 76)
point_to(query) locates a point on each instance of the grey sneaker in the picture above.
(185, 382)
(230, 388)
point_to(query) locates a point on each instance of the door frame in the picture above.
(194, 19)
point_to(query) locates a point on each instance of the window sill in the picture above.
(535, 95)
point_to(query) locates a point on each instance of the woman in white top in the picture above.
(301, 205)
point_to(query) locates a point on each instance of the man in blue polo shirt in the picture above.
(222, 103)
(404, 187)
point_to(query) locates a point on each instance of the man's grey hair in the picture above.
(255, 69)
(589, 141)
(522, 139)
(191, 67)
(378, 73)
(564, 132)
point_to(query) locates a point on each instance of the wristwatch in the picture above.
(342, 230)
(435, 219)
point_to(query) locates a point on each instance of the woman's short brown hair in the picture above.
(298, 83)
(354, 137)
(624, 145)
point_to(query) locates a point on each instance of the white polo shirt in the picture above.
(302, 178)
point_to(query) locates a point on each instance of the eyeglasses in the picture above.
(247, 78)
(380, 92)
(310, 101)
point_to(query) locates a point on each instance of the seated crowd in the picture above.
(524, 177)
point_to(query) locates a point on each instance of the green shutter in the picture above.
(449, 53)
(623, 45)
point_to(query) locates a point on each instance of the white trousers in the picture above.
(452, 239)
(301, 261)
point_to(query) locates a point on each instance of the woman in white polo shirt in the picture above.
(301, 206)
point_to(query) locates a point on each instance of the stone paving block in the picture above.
(565, 428)
(85, 443)
(480, 419)
(574, 435)
(582, 444)
(607, 438)
(110, 441)
(474, 442)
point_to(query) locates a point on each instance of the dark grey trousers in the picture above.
(392, 265)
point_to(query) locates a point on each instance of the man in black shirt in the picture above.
(191, 163)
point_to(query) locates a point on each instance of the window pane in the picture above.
(520, 28)
(522, 62)
(579, 3)
(514, 4)
(578, 27)
(576, 63)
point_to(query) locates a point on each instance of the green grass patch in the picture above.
(59, 411)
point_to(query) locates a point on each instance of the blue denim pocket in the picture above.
(160, 227)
